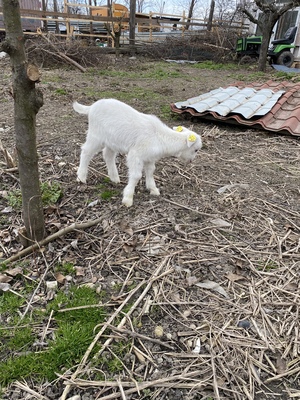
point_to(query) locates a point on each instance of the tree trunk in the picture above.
(211, 15)
(27, 102)
(263, 54)
(266, 25)
(190, 14)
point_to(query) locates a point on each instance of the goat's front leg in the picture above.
(150, 182)
(135, 169)
(110, 159)
(88, 151)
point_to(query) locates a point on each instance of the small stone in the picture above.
(159, 331)
(51, 285)
(244, 324)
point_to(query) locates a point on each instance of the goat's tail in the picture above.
(81, 109)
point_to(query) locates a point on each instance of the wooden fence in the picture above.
(149, 27)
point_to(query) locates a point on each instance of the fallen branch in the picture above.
(64, 231)
(218, 47)
(60, 54)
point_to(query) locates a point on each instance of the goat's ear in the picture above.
(191, 139)
(179, 128)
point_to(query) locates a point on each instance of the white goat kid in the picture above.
(115, 127)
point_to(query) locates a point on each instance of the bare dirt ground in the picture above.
(214, 261)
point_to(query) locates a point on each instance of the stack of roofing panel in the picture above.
(273, 106)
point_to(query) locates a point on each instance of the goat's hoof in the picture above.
(115, 180)
(81, 180)
(155, 192)
(127, 202)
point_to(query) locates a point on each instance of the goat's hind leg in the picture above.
(88, 151)
(150, 182)
(110, 159)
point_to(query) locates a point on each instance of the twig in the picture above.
(64, 231)
(140, 336)
(188, 208)
(121, 324)
(31, 391)
(138, 386)
(60, 54)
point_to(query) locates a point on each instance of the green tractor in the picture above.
(248, 48)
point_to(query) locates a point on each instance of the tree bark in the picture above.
(211, 15)
(27, 102)
(271, 12)
(190, 14)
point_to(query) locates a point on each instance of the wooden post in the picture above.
(132, 26)
(90, 12)
(44, 7)
(67, 21)
(150, 30)
(57, 30)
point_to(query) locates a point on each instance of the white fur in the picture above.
(115, 127)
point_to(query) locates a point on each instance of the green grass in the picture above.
(61, 91)
(287, 76)
(158, 71)
(51, 192)
(119, 94)
(258, 75)
(215, 66)
(105, 191)
(72, 333)
(65, 268)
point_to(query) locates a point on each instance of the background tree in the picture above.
(140, 6)
(270, 14)
(27, 102)
(190, 13)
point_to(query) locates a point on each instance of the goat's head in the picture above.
(193, 143)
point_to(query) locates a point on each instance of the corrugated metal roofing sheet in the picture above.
(278, 110)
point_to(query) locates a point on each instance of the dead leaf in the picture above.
(128, 248)
(79, 271)
(197, 347)
(105, 225)
(292, 286)
(5, 287)
(74, 244)
(5, 278)
(125, 227)
(281, 365)
(221, 223)
(59, 277)
(234, 277)
(228, 187)
(51, 285)
(93, 203)
(191, 280)
(14, 271)
(213, 286)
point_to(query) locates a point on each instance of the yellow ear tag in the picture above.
(179, 129)
(192, 138)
